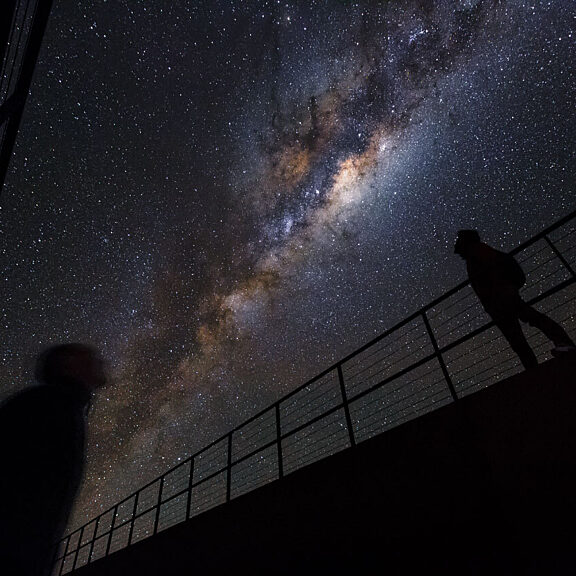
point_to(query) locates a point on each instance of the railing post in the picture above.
(346, 406)
(279, 441)
(440, 358)
(93, 539)
(134, 511)
(229, 468)
(78, 548)
(190, 482)
(114, 514)
(560, 256)
(158, 505)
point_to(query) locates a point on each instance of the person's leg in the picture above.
(550, 328)
(512, 331)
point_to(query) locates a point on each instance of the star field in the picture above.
(225, 197)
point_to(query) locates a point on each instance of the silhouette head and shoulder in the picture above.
(466, 240)
(492, 272)
(42, 447)
(72, 367)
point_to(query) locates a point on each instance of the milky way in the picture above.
(225, 197)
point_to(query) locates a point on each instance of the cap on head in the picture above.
(464, 239)
(71, 364)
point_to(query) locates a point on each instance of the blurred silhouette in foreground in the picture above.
(496, 278)
(42, 439)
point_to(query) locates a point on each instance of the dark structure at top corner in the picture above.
(22, 26)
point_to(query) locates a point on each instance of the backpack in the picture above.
(512, 270)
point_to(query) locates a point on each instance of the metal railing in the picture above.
(442, 352)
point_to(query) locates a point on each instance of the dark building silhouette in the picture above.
(21, 33)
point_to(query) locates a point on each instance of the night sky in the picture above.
(225, 197)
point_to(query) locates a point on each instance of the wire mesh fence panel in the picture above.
(148, 498)
(394, 353)
(125, 511)
(61, 547)
(561, 307)
(309, 402)
(68, 564)
(208, 494)
(481, 362)
(173, 512)
(543, 269)
(119, 538)
(99, 550)
(144, 526)
(315, 442)
(89, 532)
(104, 523)
(564, 239)
(83, 555)
(211, 460)
(539, 343)
(564, 310)
(254, 435)
(255, 471)
(176, 480)
(456, 316)
(74, 541)
(417, 392)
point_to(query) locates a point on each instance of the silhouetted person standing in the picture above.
(42, 439)
(497, 278)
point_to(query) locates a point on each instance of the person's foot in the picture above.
(560, 350)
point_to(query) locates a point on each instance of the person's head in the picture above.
(464, 240)
(71, 365)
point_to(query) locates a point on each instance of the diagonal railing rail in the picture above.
(444, 351)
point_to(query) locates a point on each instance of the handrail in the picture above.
(349, 398)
